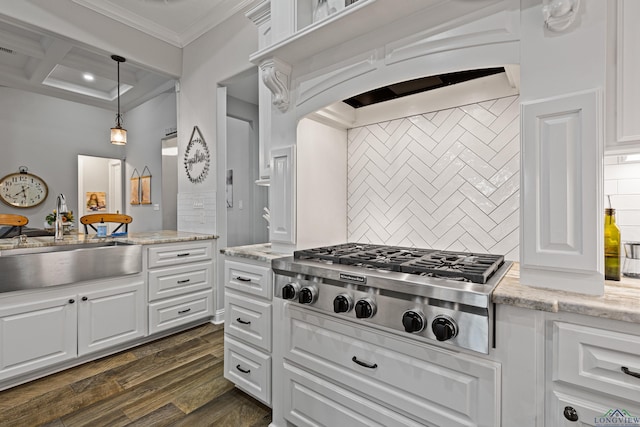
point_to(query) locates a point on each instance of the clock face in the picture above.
(23, 190)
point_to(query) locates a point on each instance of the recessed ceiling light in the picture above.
(88, 77)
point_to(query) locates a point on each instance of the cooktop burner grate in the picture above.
(461, 266)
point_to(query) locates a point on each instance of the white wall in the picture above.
(146, 126)
(622, 183)
(214, 57)
(321, 190)
(46, 134)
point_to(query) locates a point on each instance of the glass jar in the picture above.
(321, 10)
(611, 246)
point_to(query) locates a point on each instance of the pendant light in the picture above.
(118, 133)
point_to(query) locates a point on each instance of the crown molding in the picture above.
(179, 39)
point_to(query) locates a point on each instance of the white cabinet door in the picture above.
(37, 334)
(623, 126)
(111, 316)
(282, 195)
(561, 244)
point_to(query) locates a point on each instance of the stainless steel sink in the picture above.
(32, 268)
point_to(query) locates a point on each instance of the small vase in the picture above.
(321, 10)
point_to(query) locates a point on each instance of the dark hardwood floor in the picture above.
(175, 381)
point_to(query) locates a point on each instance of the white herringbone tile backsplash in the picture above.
(447, 179)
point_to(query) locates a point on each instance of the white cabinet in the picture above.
(111, 316)
(261, 17)
(560, 246)
(282, 195)
(592, 373)
(375, 376)
(623, 106)
(37, 334)
(180, 278)
(248, 326)
(248, 368)
(40, 330)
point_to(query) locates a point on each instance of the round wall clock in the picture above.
(23, 190)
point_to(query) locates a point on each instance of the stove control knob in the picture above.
(365, 308)
(343, 303)
(307, 295)
(413, 321)
(290, 291)
(444, 328)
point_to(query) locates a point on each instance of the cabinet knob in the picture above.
(84, 298)
(570, 413)
(71, 301)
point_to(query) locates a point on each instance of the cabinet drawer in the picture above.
(173, 312)
(174, 281)
(590, 412)
(249, 278)
(435, 385)
(248, 319)
(594, 358)
(162, 255)
(247, 368)
(310, 401)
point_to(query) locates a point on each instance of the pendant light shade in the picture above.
(118, 133)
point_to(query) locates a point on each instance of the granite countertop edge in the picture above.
(259, 252)
(136, 238)
(621, 300)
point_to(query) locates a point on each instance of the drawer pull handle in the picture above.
(184, 254)
(244, 371)
(184, 311)
(628, 372)
(365, 364)
(244, 322)
(180, 282)
(243, 279)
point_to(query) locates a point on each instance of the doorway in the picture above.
(100, 186)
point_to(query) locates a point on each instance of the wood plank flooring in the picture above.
(175, 381)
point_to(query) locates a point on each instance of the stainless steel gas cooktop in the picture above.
(440, 296)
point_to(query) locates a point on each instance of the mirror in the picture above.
(170, 183)
(100, 187)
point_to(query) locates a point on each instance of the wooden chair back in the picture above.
(13, 221)
(89, 220)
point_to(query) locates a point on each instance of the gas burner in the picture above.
(458, 266)
(437, 276)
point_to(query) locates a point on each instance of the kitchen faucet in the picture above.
(61, 206)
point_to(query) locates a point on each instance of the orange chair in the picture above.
(106, 217)
(13, 221)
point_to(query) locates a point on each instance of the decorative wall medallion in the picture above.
(196, 157)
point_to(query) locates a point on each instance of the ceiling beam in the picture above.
(54, 54)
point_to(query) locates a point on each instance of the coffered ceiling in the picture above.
(48, 46)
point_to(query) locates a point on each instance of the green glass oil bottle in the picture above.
(611, 246)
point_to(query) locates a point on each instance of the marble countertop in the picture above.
(259, 252)
(621, 300)
(137, 238)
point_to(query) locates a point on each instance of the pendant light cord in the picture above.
(118, 59)
(118, 121)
